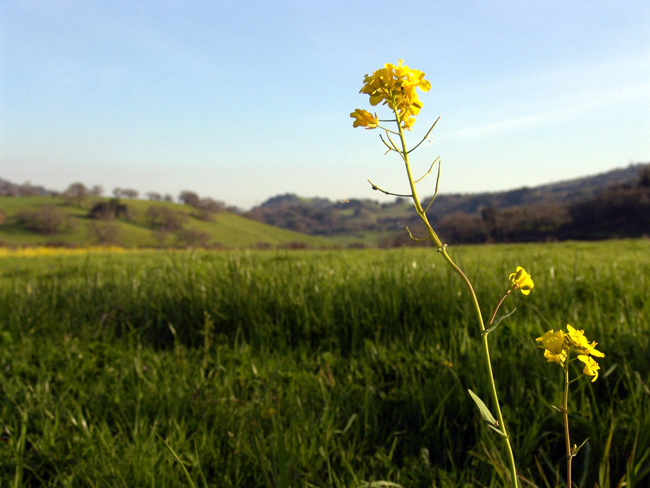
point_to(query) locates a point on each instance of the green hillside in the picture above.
(601, 206)
(223, 229)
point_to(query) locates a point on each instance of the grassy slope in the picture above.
(226, 229)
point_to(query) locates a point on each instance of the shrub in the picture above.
(164, 219)
(47, 220)
(106, 233)
(109, 210)
(193, 238)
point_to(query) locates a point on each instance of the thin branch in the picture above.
(415, 238)
(425, 137)
(375, 187)
(386, 144)
(494, 314)
(435, 193)
(401, 153)
(391, 141)
(387, 130)
(428, 172)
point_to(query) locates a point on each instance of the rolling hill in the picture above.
(294, 222)
(76, 228)
(368, 222)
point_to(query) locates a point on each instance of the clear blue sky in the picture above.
(244, 100)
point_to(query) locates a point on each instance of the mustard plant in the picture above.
(395, 86)
(558, 348)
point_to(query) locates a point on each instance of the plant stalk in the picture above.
(565, 414)
(442, 249)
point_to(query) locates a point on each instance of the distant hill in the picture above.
(568, 191)
(611, 204)
(368, 222)
(51, 220)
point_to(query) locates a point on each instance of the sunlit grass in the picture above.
(313, 368)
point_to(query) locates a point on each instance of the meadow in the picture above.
(316, 368)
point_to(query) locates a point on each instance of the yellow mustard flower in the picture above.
(552, 341)
(395, 86)
(558, 358)
(591, 366)
(558, 345)
(580, 343)
(554, 345)
(521, 280)
(363, 118)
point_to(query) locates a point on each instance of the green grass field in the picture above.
(316, 368)
(225, 229)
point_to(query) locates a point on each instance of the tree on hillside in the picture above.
(460, 227)
(75, 194)
(206, 208)
(109, 210)
(130, 193)
(96, 191)
(27, 190)
(8, 189)
(491, 219)
(165, 219)
(644, 177)
(193, 238)
(153, 196)
(106, 233)
(619, 211)
(189, 198)
(47, 220)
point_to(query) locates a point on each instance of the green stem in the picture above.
(565, 413)
(497, 307)
(477, 309)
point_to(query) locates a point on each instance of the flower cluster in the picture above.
(394, 86)
(558, 345)
(521, 280)
(363, 118)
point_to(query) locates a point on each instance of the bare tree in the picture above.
(96, 191)
(168, 198)
(189, 198)
(206, 208)
(27, 190)
(644, 177)
(165, 219)
(130, 193)
(75, 194)
(193, 238)
(106, 233)
(8, 189)
(117, 192)
(153, 196)
(47, 220)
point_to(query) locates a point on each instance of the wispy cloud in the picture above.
(582, 104)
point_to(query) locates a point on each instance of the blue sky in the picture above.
(245, 100)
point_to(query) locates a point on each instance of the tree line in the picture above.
(168, 225)
(570, 210)
(618, 211)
